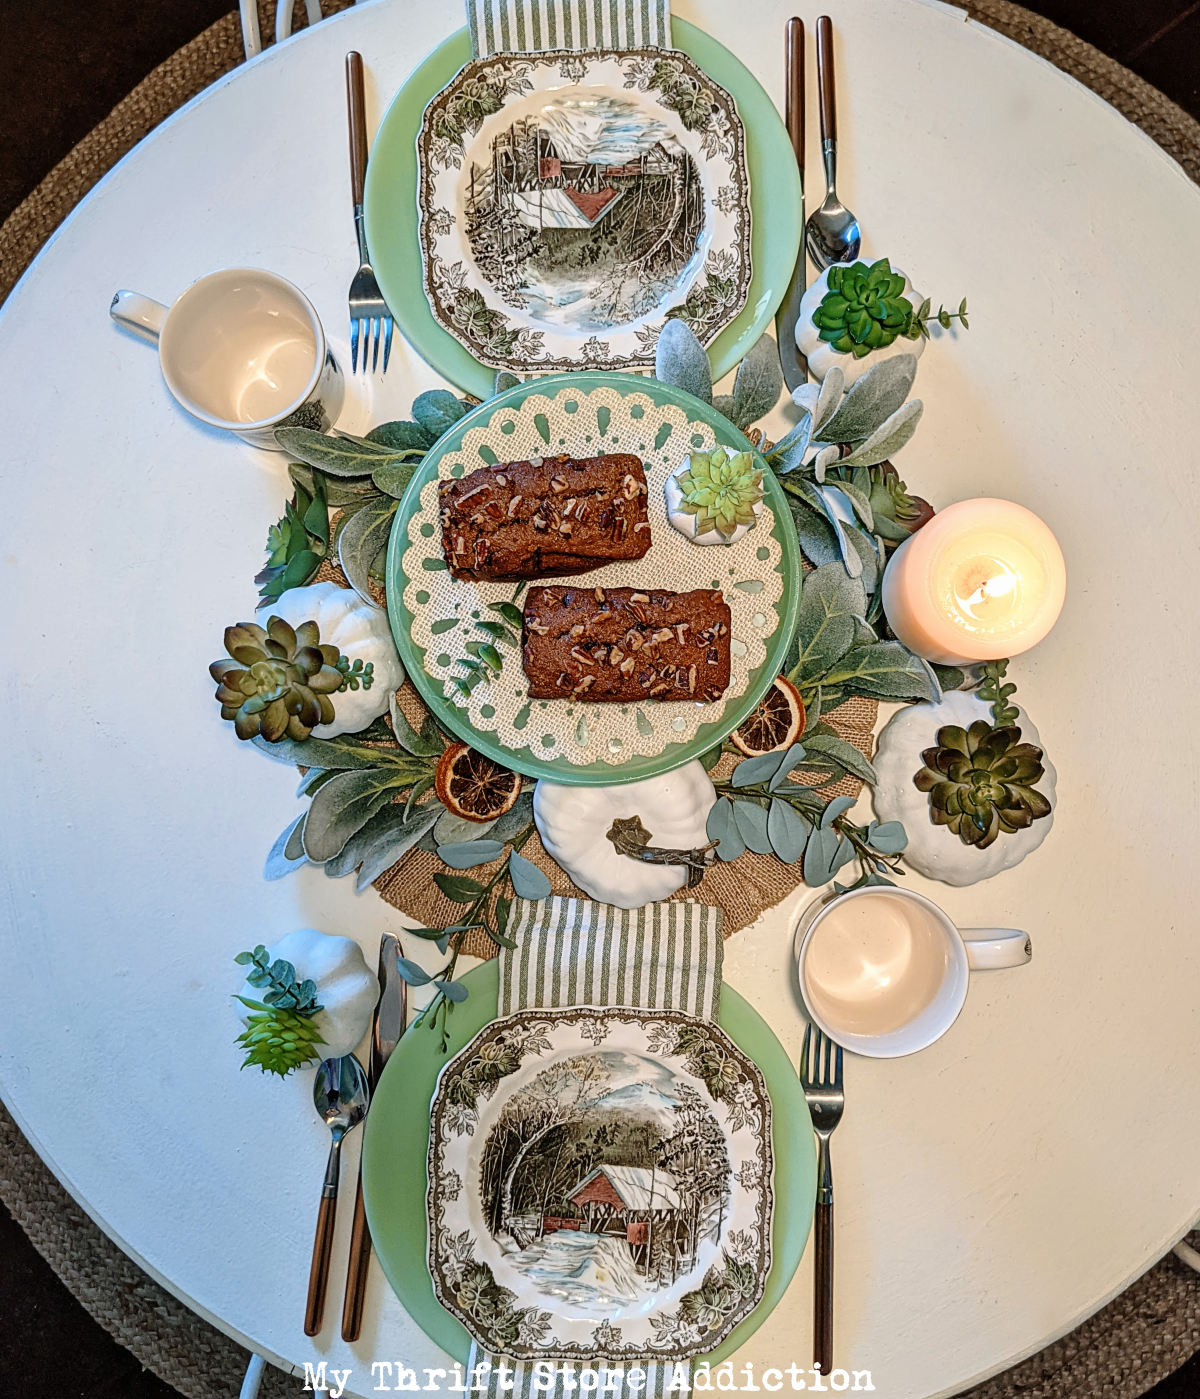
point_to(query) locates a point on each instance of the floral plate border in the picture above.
(465, 305)
(730, 1290)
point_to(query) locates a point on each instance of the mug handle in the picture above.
(990, 948)
(140, 314)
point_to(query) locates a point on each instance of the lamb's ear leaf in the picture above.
(401, 437)
(437, 410)
(342, 807)
(757, 384)
(872, 400)
(888, 438)
(343, 455)
(680, 360)
(287, 854)
(361, 542)
(829, 398)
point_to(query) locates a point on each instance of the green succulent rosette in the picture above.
(277, 682)
(981, 782)
(720, 490)
(865, 308)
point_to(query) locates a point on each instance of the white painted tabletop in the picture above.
(991, 1191)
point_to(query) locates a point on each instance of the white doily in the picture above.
(584, 423)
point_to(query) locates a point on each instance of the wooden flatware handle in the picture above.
(356, 106)
(823, 1288)
(794, 96)
(825, 77)
(356, 1271)
(318, 1275)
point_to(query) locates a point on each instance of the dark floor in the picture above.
(63, 65)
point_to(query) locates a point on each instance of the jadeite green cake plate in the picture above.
(397, 1141)
(391, 207)
(558, 767)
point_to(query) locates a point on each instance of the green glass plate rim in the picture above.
(598, 774)
(397, 1140)
(390, 206)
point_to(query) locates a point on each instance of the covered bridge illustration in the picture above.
(629, 1201)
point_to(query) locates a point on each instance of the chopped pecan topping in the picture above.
(639, 597)
(558, 484)
(581, 656)
(512, 506)
(539, 523)
(627, 665)
(576, 630)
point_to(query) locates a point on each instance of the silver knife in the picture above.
(795, 367)
(391, 1016)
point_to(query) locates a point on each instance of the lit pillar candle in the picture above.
(982, 580)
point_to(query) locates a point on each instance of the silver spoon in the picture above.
(340, 1095)
(832, 232)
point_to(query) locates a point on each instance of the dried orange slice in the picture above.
(775, 723)
(474, 787)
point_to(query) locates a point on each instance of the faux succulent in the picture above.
(981, 781)
(279, 680)
(865, 309)
(297, 544)
(720, 490)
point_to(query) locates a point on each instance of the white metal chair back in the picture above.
(252, 34)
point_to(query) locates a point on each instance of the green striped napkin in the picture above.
(572, 952)
(532, 26)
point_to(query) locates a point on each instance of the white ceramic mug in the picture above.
(242, 350)
(884, 972)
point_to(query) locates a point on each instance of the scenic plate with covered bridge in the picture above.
(600, 1185)
(571, 202)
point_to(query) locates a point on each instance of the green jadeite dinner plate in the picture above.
(391, 207)
(397, 1140)
(524, 760)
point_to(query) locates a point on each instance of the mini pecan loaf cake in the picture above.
(544, 517)
(622, 644)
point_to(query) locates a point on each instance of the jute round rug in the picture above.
(1120, 1353)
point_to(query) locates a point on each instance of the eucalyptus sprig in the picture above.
(488, 907)
(483, 660)
(760, 808)
(285, 992)
(919, 324)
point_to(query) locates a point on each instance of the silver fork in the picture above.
(821, 1078)
(369, 314)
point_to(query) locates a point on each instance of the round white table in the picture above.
(993, 1190)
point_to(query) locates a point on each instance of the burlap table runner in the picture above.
(1119, 1353)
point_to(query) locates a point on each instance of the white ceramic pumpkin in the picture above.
(573, 822)
(360, 631)
(822, 356)
(347, 988)
(935, 851)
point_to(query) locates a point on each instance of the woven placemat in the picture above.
(1122, 1351)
